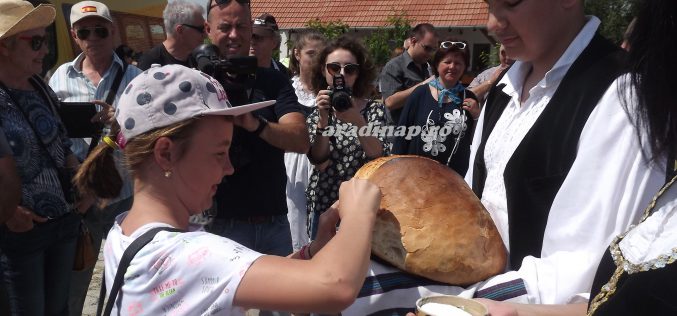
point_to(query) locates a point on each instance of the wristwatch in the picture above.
(320, 130)
(262, 125)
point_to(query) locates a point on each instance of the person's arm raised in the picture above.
(330, 281)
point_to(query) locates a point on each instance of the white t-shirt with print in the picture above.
(191, 273)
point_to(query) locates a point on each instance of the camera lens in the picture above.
(340, 101)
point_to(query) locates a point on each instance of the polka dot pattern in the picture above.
(170, 108)
(346, 156)
(165, 95)
(143, 98)
(211, 88)
(160, 75)
(185, 86)
(130, 123)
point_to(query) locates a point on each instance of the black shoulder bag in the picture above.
(126, 259)
(109, 100)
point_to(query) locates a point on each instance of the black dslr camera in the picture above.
(236, 74)
(340, 94)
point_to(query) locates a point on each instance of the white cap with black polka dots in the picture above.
(162, 96)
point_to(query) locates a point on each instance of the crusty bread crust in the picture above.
(431, 223)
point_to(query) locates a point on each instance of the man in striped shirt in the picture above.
(90, 78)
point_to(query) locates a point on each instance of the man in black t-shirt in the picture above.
(251, 203)
(184, 25)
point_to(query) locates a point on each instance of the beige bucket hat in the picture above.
(17, 16)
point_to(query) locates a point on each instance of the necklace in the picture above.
(623, 265)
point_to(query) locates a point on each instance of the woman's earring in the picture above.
(168, 174)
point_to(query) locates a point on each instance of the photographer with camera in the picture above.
(342, 77)
(251, 203)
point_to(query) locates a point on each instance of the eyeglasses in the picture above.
(85, 32)
(200, 29)
(225, 2)
(36, 41)
(449, 44)
(348, 69)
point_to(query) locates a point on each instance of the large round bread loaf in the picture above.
(432, 224)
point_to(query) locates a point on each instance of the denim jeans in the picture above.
(36, 266)
(270, 237)
(99, 222)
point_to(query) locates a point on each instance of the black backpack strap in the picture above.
(127, 257)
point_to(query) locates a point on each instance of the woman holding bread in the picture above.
(175, 129)
(637, 273)
(336, 148)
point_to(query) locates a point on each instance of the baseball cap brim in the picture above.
(242, 109)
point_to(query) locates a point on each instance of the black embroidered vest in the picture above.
(542, 160)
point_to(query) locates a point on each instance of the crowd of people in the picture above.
(565, 143)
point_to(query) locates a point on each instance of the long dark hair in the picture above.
(363, 86)
(301, 42)
(653, 69)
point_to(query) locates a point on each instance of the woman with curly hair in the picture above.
(336, 149)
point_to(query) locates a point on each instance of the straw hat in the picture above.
(17, 16)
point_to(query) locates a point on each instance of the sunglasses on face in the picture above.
(85, 32)
(36, 41)
(200, 29)
(449, 44)
(348, 69)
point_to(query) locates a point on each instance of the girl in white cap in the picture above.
(175, 128)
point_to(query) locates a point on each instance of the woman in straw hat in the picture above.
(38, 242)
(176, 127)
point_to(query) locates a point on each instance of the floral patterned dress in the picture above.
(346, 156)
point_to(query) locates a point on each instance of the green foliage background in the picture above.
(615, 15)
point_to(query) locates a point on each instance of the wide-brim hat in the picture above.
(162, 96)
(17, 16)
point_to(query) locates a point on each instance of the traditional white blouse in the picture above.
(607, 187)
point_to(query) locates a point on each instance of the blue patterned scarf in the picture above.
(452, 93)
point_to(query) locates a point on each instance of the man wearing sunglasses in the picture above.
(402, 74)
(91, 77)
(265, 40)
(185, 26)
(251, 203)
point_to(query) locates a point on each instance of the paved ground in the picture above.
(93, 293)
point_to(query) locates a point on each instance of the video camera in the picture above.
(236, 74)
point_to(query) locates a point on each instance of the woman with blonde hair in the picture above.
(175, 129)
